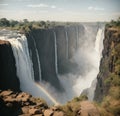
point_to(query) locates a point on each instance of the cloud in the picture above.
(53, 6)
(95, 8)
(37, 5)
(41, 6)
(90, 8)
(3, 4)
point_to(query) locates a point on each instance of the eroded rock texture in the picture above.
(8, 77)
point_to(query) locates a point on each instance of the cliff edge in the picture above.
(8, 77)
(108, 80)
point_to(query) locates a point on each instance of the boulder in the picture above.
(48, 112)
(88, 109)
(58, 113)
(34, 111)
(6, 93)
(25, 110)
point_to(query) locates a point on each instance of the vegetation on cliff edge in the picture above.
(26, 26)
(110, 105)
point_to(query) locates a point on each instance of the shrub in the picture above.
(113, 23)
(71, 108)
(114, 92)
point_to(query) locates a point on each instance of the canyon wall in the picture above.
(108, 77)
(8, 77)
(42, 41)
(51, 51)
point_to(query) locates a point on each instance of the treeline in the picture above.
(26, 25)
(114, 23)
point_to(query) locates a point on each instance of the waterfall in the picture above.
(77, 38)
(66, 37)
(56, 65)
(98, 48)
(88, 61)
(38, 60)
(25, 71)
(99, 41)
(21, 53)
(87, 57)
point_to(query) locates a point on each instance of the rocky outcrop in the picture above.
(8, 77)
(109, 74)
(23, 104)
(80, 108)
(88, 109)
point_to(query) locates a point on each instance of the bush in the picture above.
(114, 92)
(71, 108)
(113, 23)
(112, 80)
(115, 110)
(80, 98)
(4, 22)
(109, 79)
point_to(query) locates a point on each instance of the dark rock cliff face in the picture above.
(8, 78)
(68, 38)
(110, 64)
(61, 47)
(41, 43)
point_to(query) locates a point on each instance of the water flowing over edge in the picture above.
(66, 36)
(25, 69)
(56, 65)
(26, 74)
(98, 49)
(38, 60)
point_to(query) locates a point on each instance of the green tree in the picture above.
(13, 23)
(25, 21)
(43, 24)
(4, 22)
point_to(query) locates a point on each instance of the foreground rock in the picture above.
(79, 106)
(23, 104)
(88, 109)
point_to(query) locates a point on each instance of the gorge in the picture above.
(58, 63)
(70, 56)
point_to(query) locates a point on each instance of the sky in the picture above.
(60, 10)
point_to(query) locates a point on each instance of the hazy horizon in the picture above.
(60, 10)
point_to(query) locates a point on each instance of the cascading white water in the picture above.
(38, 61)
(87, 57)
(93, 56)
(98, 48)
(25, 69)
(66, 37)
(77, 38)
(22, 55)
(99, 42)
(56, 63)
